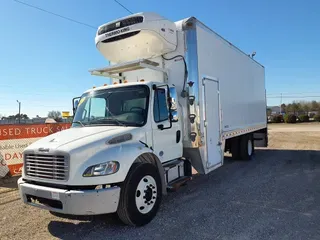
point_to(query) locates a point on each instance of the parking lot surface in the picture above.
(274, 196)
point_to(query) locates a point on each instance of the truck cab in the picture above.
(147, 108)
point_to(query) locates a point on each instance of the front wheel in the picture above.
(140, 195)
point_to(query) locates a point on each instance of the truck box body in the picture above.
(241, 80)
(229, 90)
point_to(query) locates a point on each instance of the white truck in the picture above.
(180, 97)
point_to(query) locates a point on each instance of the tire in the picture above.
(246, 147)
(138, 189)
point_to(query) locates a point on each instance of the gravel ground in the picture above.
(275, 196)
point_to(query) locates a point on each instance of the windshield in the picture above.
(121, 106)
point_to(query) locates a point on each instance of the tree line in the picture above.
(56, 115)
(14, 117)
(301, 107)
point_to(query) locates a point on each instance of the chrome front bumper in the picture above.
(73, 202)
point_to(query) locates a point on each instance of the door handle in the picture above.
(178, 136)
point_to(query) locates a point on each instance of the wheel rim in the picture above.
(249, 147)
(146, 194)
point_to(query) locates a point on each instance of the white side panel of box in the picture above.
(241, 79)
(241, 89)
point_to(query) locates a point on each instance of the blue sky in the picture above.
(45, 60)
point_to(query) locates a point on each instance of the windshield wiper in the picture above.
(114, 116)
(79, 122)
(106, 120)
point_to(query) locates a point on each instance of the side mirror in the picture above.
(75, 103)
(173, 98)
(174, 116)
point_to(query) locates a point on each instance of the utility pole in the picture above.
(280, 102)
(19, 110)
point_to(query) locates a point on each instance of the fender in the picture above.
(124, 153)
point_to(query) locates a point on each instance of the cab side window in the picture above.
(160, 108)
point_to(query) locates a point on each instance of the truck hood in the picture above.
(78, 135)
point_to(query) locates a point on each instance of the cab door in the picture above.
(166, 133)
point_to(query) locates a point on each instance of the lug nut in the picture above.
(151, 202)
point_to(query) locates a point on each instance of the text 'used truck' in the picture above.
(180, 97)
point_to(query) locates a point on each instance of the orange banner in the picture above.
(15, 138)
(30, 130)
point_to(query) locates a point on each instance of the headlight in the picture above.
(102, 169)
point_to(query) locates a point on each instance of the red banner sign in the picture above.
(15, 138)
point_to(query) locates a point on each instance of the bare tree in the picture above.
(56, 115)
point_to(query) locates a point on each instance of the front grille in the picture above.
(123, 23)
(46, 166)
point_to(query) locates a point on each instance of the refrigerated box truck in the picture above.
(180, 97)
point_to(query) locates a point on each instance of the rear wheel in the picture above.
(246, 147)
(140, 195)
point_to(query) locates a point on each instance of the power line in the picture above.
(123, 6)
(295, 96)
(55, 14)
(304, 93)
